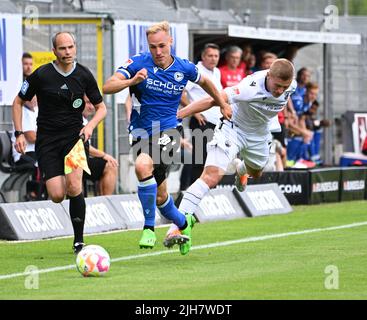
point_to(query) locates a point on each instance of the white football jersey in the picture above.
(195, 92)
(255, 110)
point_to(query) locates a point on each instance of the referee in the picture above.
(60, 87)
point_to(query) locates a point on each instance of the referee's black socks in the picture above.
(77, 214)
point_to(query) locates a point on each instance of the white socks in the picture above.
(240, 167)
(193, 196)
(191, 199)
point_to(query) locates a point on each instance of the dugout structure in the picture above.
(277, 41)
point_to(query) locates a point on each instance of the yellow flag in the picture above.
(76, 158)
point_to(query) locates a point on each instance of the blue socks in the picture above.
(147, 193)
(169, 211)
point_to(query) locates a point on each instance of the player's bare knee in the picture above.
(57, 197)
(110, 171)
(210, 179)
(74, 189)
(143, 166)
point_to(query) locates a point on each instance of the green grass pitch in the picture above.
(292, 266)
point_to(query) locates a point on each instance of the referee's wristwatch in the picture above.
(18, 133)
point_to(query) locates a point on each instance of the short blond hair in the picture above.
(160, 26)
(282, 69)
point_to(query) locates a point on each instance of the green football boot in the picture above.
(185, 247)
(148, 239)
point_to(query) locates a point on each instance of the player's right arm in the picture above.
(20, 141)
(119, 82)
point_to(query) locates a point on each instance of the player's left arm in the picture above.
(99, 115)
(200, 106)
(96, 99)
(111, 161)
(217, 97)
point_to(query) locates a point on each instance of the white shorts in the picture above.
(229, 140)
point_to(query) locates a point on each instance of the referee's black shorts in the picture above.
(164, 149)
(96, 166)
(51, 150)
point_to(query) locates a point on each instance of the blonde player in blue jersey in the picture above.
(156, 80)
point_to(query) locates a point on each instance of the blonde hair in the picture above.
(160, 26)
(282, 69)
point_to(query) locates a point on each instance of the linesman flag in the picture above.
(76, 158)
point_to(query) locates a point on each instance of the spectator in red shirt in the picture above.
(231, 73)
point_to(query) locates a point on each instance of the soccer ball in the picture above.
(93, 261)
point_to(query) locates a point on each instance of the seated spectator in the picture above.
(291, 118)
(28, 161)
(251, 65)
(303, 77)
(103, 166)
(301, 136)
(266, 60)
(247, 61)
(29, 125)
(29, 121)
(231, 73)
(276, 153)
(310, 120)
(303, 105)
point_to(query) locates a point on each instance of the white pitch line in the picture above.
(200, 247)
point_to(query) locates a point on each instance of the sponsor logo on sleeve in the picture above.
(24, 87)
(77, 103)
(235, 90)
(127, 63)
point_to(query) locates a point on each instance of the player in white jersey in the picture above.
(255, 102)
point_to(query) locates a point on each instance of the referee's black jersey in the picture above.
(60, 96)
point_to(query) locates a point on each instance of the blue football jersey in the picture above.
(299, 104)
(156, 99)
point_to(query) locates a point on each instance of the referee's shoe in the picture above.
(78, 246)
